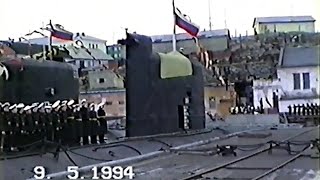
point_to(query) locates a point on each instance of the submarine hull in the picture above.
(31, 81)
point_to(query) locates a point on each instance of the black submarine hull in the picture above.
(31, 81)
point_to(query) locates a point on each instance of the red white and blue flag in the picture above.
(182, 21)
(59, 32)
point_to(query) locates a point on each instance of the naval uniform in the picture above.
(65, 126)
(3, 127)
(49, 126)
(68, 130)
(56, 125)
(78, 129)
(102, 124)
(93, 126)
(85, 124)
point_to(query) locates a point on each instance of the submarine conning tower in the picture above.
(164, 92)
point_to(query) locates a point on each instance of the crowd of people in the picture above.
(304, 109)
(63, 122)
(242, 109)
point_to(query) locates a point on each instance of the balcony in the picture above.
(305, 94)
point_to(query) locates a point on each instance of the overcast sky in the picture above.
(106, 19)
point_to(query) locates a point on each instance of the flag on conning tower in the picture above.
(59, 32)
(183, 21)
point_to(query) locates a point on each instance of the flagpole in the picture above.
(174, 40)
(50, 41)
(44, 44)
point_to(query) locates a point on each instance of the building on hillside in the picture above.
(264, 25)
(104, 79)
(87, 58)
(6, 51)
(87, 41)
(117, 51)
(214, 40)
(299, 76)
(218, 100)
(115, 100)
(24, 49)
(265, 92)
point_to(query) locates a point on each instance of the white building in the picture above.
(298, 80)
(265, 89)
(264, 25)
(299, 76)
(88, 41)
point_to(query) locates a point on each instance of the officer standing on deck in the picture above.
(63, 118)
(29, 124)
(49, 123)
(7, 126)
(101, 114)
(12, 123)
(93, 123)
(4, 126)
(78, 124)
(56, 122)
(69, 131)
(85, 121)
(21, 123)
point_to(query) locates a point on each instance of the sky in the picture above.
(106, 19)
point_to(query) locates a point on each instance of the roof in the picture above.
(88, 38)
(24, 48)
(299, 57)
(282, 19)
(44, 40)
(78, 53)
(185, 36)
(98, 54)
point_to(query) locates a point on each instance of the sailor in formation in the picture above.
(63, 122)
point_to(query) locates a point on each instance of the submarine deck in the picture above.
(178, 156)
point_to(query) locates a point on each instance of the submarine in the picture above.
(28, 80)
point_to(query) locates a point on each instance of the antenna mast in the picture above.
(210, 24)
(225, 18)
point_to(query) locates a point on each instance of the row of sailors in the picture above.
(62, 122)
(304, 109)
(245, 110)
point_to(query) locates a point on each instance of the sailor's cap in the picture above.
(35, 104)
(101, 104)
(5, 104)
(47, 103)
(27, 108)
(20, 105)
(71, 102)
(56, 104)
(12, 107)
(91, 105)
(83, 101)
(41, 105)
(64, 102)
(47, 107)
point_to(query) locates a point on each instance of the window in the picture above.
(306, 80)
(212, 102)
(115, 55)
(89, 45)
(296, 81)
(108, 103)
(121, 102)
(101, 80)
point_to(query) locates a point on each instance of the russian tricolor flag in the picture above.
(59, 32)
(185, 24)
